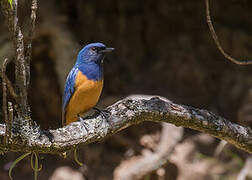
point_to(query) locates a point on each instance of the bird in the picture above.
(84, 82)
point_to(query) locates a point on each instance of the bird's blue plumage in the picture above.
(92, 71)
(89, 63)
(86, 55)
(69, 86)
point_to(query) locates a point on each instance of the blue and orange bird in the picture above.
(84, 82)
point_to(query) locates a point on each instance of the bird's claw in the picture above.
(86, 126)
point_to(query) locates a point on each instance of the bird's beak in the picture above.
(107, 50)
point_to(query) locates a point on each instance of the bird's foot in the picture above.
(104, 113)
(83, 120)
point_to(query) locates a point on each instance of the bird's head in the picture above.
(93, 53)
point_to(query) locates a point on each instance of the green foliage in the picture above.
(76, 157)
(10, 2)
(17, 161)
(34, 163)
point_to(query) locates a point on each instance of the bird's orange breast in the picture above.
(85, 97)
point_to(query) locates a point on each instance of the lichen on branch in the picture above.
(124, 113)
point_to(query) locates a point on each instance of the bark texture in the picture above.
(124, 113)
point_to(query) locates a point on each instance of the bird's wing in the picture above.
(68, 91)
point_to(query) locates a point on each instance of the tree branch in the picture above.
(216, 40)
(4, 108)
(28, 50)
(22, 68)
(124, 113)
(20, 65)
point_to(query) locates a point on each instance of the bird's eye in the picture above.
(94, 48)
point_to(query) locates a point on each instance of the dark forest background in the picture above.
(162, 48)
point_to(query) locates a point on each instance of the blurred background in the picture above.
(161, 48)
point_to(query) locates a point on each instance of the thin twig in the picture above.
(11, 88)
(28, 52)
(10, 119)
(15, 20)
(5, 113)
(216, 40)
